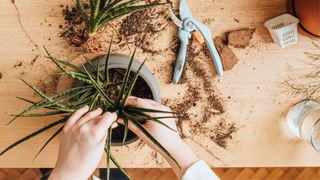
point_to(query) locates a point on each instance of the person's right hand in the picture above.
(168, 138)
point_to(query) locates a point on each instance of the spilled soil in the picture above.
(72, 29)
(49, 84)
(138, 29)
(18, 64)
(221, 132)
(141, 28)
(200, 88)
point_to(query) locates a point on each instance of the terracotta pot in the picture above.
(308, 12)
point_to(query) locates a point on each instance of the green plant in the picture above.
(102, 12)
(92, 93)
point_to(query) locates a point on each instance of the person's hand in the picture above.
(82, 144)
(168, 138)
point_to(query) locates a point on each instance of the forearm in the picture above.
(182, 154)
(59, 175)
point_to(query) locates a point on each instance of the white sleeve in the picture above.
(199, 171)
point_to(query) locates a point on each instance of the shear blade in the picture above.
(184, 10)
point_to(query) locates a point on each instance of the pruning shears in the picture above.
(188, 25)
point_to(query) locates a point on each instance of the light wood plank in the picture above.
(257, 104)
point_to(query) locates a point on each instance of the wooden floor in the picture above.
(167, 174)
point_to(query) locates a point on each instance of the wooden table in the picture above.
(257, 102)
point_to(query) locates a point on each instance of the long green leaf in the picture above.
(94, 67)
(108, 148)
(44, 96)
(106, 67)
(42, 114)
(113, 6)
(66, 98)
(145, 132)
(89, 61)
(55, 104)
(71, 66)
(83, 13)
(126, 127)
(26, 100)
(78, 76)
(145, 117)
(126, 78)
(105, 10)
(95, 12)
(34, 134)
(37, 91)
(133, 108)
(132, 83)
(48, 141)
(94, 101)
(92, 8)
(99, 89)
(115, 162)
(125, 4)
(82, 97)
(114, 85)
(39, 104)
(73, 75)
(98, 72)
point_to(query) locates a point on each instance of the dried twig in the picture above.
(305, 82)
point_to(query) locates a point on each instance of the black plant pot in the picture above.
(121, 62)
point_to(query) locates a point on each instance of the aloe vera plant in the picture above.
(93, 92)
(102, 12)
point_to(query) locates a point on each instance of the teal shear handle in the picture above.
(184, 37)
(206, 33)
(186, 25)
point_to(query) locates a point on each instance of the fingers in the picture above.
(77, 115)
(139, 102)
(101, 125)
(145, 103)
(106, 120)
(114, 125)
(91, 115)
(132, 127)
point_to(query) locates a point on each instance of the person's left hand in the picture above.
(82, 144)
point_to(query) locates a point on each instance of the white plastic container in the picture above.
(283, 29)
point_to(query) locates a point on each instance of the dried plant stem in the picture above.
(305, 82)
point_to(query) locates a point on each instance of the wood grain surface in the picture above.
(251, 92)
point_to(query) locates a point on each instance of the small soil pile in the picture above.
(73, 29)
(48, 84)
(141, 28)
(34, 59)
(240, 38)
(18, 64)
(222, 132)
